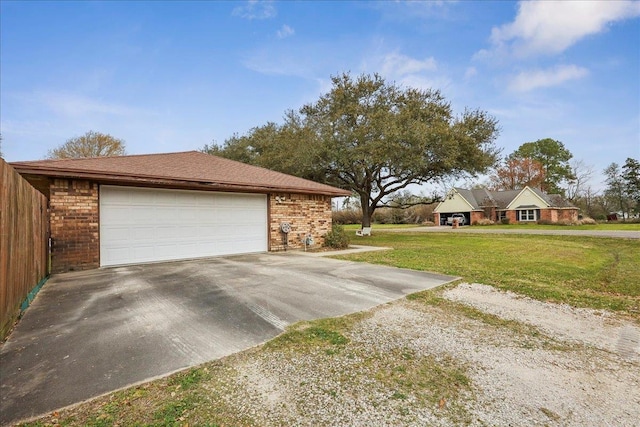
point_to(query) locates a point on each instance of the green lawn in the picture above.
(600, 226)
(351, 227)
(582, 271)
(603, 226)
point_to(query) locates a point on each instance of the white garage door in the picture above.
(144, 225)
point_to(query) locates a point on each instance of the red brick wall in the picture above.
(512, 216)
(568, 214)
(306, 214)
(74, 225)
(550, 215)
(555, 215)
(476, 216)
(436, 218)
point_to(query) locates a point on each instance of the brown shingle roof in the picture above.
(190, 169)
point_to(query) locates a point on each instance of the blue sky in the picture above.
(173, 76)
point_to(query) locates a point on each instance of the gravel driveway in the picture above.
(543, 364)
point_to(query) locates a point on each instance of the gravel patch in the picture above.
(516, 376)
(598, 328)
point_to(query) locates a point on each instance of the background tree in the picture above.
(631, 177)
(581, 174)
(287, 148)
(593, 203)
(91, 144)
(554, 158)
(373, 138)
(615, 191)
(516, 173)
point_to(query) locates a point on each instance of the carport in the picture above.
(92, 332)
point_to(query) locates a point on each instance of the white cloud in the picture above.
(255, 9)
(285, 31)
(529, 80)
(470, 72)
(407, 71)
(398, 65)
(550, 27)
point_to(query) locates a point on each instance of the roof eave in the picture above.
(108, 178)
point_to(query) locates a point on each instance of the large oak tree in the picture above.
(373, 138)
(91, 144)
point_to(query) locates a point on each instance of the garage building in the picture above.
(110, 211)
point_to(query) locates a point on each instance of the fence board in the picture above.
(24, 231)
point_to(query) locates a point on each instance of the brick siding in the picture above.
(74, 225)
(307, 214)
(549, 215)
(476, 216)
(568, 214)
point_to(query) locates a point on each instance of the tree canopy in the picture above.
(631, 182)
(615, 190)
(91, 144)
(554, 158)
(374, 138)
(517, 173)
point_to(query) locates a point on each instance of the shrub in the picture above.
(588, 221)
(347, 216)
(546, 222)
(505, 221)
(484, 221)
(567, 222)
(337, 238)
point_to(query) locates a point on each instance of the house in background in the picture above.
(526, 205)
(108, 211)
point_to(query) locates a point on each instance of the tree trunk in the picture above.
(367, 210)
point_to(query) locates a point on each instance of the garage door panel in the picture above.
(117, 253)
(142, 233)
(145, 225)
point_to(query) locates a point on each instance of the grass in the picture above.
(589, 272)
(353, 227)
(620, 226)
(327, 334)
(616, 226)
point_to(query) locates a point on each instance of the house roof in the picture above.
(479, 198)
(190, 169)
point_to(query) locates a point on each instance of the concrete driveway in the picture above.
(89, 333)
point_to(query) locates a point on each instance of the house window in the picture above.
(527, 215)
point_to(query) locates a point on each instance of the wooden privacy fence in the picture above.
(24, 231)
